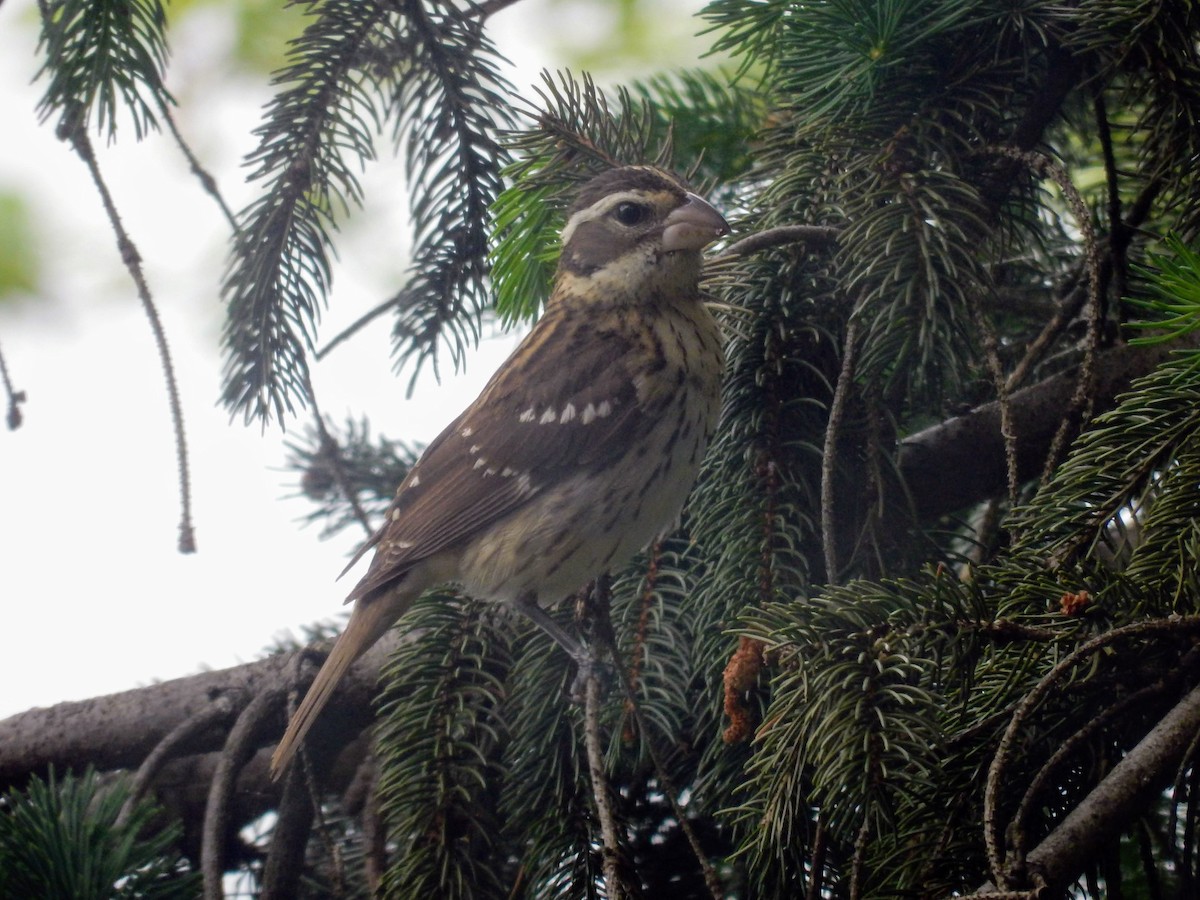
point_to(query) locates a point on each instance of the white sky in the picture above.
(94, 597)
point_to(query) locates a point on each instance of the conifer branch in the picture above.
(280, 272)
(996, 771)
(610, 848)
(837, 409)
(779, 236)
(72, 130)
(176, 742)
(239, 747)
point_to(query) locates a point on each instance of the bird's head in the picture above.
(635, 232)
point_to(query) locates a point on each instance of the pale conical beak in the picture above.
(693, 226)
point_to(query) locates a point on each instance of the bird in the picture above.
(582, 447)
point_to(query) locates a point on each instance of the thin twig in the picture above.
(820, 844)
(305, 763)
(645, 604)
(711, 880)
(991, 796)
(1081, 400)
(1133, 787)
(859, 863)
(607, 636)
(332, 847)
(837, 409)
(1067, 310)
(72, 130)
(1118, 238)
(991, 345)
(610, 848)
(358, 324)
(289, 839)
(374, 829)
(1065, 749)
(239, 747)
(220, 711)
(331, 452)
(15, 398)
(783, 234)
(207, 182)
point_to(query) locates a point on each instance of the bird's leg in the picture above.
(586, 661)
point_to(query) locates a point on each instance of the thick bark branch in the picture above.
(1128, 790)
(119, 731)
(961, 461)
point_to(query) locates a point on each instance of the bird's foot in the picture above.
(588, 667)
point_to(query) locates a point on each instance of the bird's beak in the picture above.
(693, 226)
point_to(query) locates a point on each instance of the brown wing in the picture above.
(564, 402)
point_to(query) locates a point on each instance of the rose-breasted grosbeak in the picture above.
(582, 447)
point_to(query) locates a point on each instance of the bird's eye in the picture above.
(629, 213)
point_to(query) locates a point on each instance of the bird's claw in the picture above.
(589, 667)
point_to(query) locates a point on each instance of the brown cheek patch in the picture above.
(592, 247)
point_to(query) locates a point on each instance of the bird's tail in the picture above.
(369, 621)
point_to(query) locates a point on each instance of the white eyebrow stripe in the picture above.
(600, 208)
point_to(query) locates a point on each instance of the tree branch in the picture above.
(961, 461)
(119, 731)
(77, 137)
(1133, 784)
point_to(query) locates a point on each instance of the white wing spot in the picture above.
(395, 516)
(414, 481)
(603, 409)
(589, 414)
(489, 471)
(506, 472)
(403, 545)
(548, 416)
(528, 415)
(475, 448)
(568, 413)
(523, 483)
(479, 462)
(467, 432)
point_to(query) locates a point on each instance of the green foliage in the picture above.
(1131, 470)
(357, 66)
(104, 58)
(63, 839)
(1174, 305)
(442, 731)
